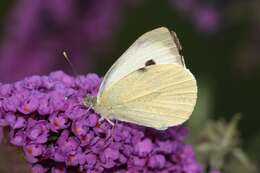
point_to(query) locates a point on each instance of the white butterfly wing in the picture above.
(156, 96)
(159, 45)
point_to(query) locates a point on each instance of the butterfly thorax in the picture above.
(91, 102)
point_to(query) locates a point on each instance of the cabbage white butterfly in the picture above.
(148, 85)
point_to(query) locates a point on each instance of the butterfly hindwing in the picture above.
(156, 96)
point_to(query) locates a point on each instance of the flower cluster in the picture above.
(41, 30)
(206, 18)
(47, 118)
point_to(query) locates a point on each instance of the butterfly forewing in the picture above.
(157, 46)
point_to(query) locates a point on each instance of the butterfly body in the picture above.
(148, 85)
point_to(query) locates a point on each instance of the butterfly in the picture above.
(149, 84)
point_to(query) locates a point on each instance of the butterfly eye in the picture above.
(150, 62)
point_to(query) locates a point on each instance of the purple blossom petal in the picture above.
(111, 154)
(10, 119)
(61, 131)
(38, 169)
(139, 162)
(69, 144)
(58, 170)
(6, 90)
(32, 151)
(17, 138)
(144, 147)
(166, 147)
(20, 122)
(31, 104)
(75, 112)
(58, 122)
(206, 19)
(45, 106)
(157, 161)
(11, 103)
(91, 160)
(37, 131)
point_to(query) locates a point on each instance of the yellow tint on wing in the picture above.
(157, 96)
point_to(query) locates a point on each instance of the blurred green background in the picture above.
(220, 39)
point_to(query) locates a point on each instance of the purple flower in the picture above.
(166, 147)
(57, 155)
(58, 170)
(37, 131)
(108, 157)
(89, 83)
(81, 126)
(91, 160)
(38, 169)
(58, 122)
(110, 153)
(10, 119)
(183, 152)
(157, 161)
(144, 147)
(62, 132)
(29, 104)
(75, 157)
(6, 90)
(67, 143)
(206, 19)
(17, 138)
(138, 162)
(19, 123)
(31, 151)
(58, 101)
(62, 78)
(11, 103)
(45, 107)
(41, 30)
(76, 111)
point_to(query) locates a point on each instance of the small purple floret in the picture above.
(47, 118)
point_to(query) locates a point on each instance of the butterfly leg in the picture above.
(90, 107)
(101, 119)
(110, 122)
(112, 131)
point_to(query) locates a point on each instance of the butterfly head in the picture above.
(90, 101)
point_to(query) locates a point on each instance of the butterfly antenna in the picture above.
(70, 63)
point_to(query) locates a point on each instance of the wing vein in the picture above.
(151, 92)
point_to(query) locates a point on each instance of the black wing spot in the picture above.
(143, 69)
(150, 62)
(147, 63)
